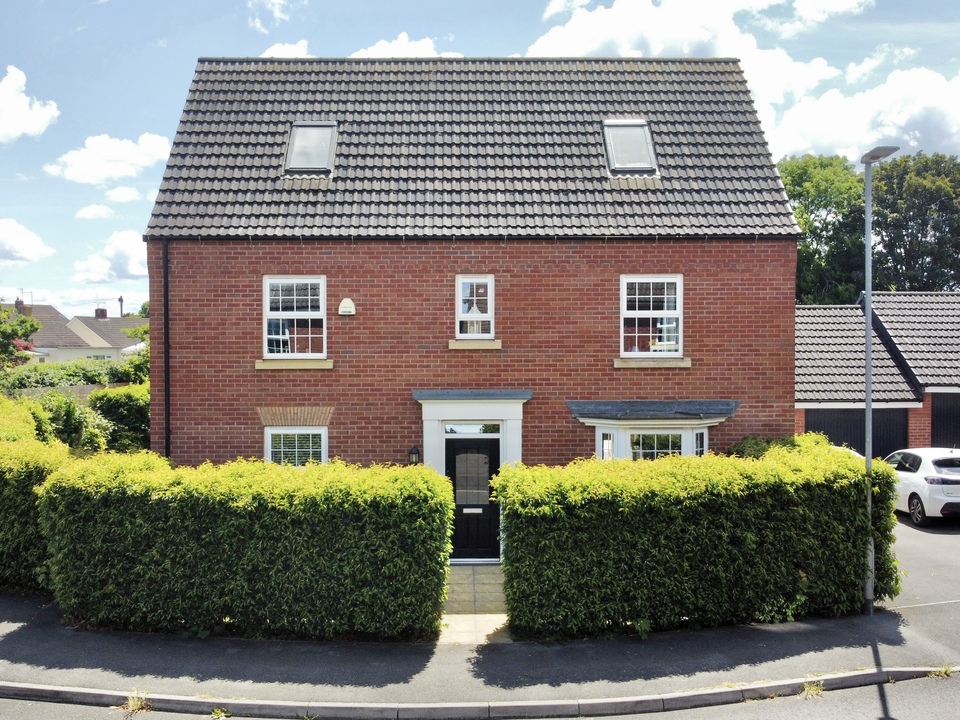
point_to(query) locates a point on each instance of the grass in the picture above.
(943, 672)
(812, 689)
(136, 703)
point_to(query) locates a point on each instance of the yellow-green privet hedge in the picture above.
(600, 547)
(24, 463)
(248, 547)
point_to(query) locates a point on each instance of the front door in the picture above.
(470, 463)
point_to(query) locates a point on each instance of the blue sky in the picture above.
(91, 93)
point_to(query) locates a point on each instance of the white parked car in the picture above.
(929, 482)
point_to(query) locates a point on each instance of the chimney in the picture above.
(100, 313)
(21, 308)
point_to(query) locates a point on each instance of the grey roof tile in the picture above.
(830, 365)
(502, 139)
(925, 328)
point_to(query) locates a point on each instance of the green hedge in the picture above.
(600, 547)
(248, 547)
(24, 464)
(127, 408)
(17, 422)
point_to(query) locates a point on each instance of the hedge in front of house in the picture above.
(24, 464)
(17, 422)
(328, 550)
(601, 547)
(127, 408)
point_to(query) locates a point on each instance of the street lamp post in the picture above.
(869, 158)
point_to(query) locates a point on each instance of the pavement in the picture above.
(476, 670)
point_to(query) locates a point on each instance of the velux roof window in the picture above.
(312, 147)
(629, 146)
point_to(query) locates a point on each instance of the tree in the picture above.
(917, 222)
(827, 198)
(145, 310)
(15, 329)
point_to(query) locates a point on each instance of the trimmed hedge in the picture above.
(17, 422)
(601, 547)
(127, 409)
(248, 547)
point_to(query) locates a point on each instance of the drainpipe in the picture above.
(166, 349)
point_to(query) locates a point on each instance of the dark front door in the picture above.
(476, 527)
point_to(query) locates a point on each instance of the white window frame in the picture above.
(273, 316)
(616, 441)
(473, 318)
(664, 318)
(271, 430)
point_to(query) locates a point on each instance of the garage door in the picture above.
(945, 418)
(846, 427)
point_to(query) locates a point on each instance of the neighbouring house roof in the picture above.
(469, 148)
(830, 364)
(634, 410)
(924, 327)
(53, 332)
(111, 331)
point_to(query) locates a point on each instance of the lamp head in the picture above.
(878, 154)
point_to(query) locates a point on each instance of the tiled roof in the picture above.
(653, 409)
(925, 328)
(112, 329)
(830, 365)
(471, 148)
(53, 332)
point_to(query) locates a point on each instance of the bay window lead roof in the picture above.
(626, 410)
(469, 148)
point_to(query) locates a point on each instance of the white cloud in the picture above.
(403, 46)
(561, 7)
(94, 212)
(278, 9)
(807, 14)
(856, 72)
(104, 158)
(123, 257)
(20, 114)
(287, 50)
(123, 194)
(18, 245)
(915, 109)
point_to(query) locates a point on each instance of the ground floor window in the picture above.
(295, 445)
(649, 443)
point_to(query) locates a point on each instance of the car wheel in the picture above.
(918, 515)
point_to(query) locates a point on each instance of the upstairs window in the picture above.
(312, 147)
(474, 306)
(294, 321)
(651, 315)
(629, 146)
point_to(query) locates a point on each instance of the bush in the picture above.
(24, 464)
(127, 409)
(249, 547)
(135, 369)
(755, 447)
(74, 423)
(600, 546)
(17, 422)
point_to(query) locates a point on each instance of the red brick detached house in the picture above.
(489, 261)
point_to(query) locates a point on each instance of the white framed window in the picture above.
(475, 307)
(295, 445)
(649, 442)
(312, 147)
(651, 316)
(294, 316)
(629, 146)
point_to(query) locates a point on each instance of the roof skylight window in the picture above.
(629, 146)
(312, 147)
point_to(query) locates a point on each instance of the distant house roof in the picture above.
(469, 148)
(924, 328)
(112, 330)
(830, 364)
(53, 332)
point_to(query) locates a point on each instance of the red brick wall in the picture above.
(557, 315)
(920, 423)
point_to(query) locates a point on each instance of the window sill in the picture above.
(294, 364)
(672, 362)
(475, 345)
